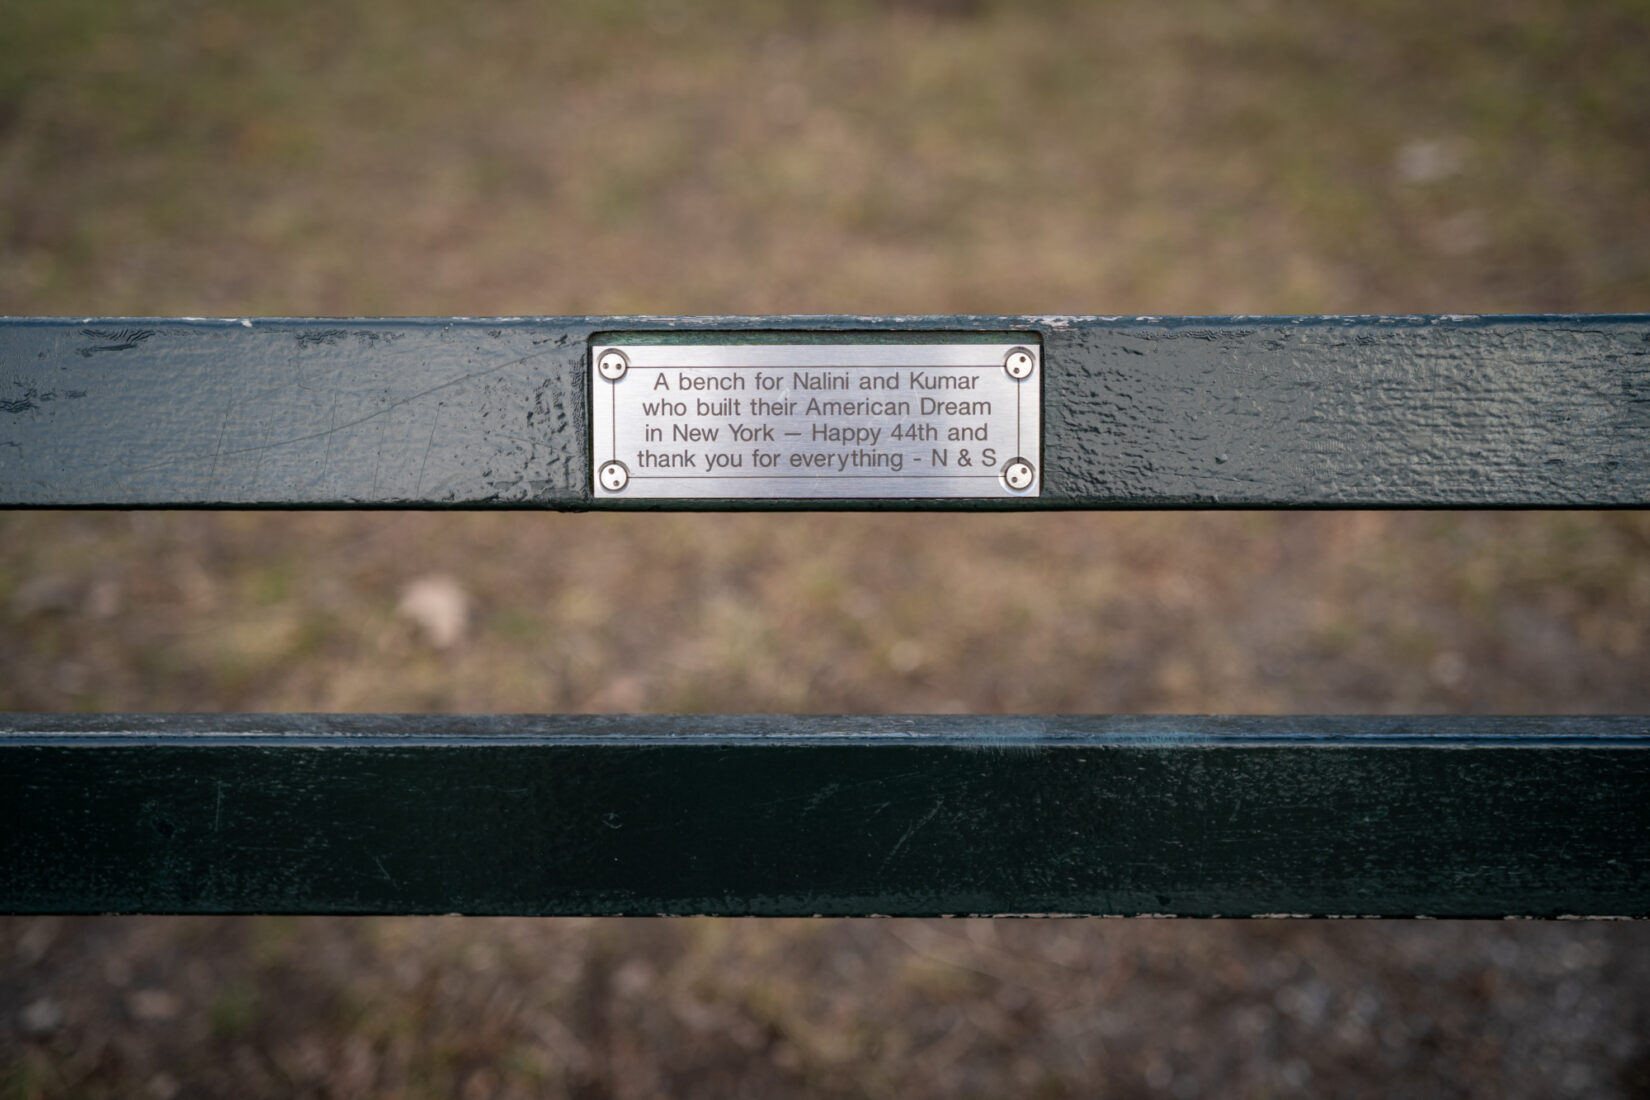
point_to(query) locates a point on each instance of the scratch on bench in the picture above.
(378, 454)
(429, 445)
(449, 384)
(385, 871)
(217, 453)
(909, 833)
(332, 429)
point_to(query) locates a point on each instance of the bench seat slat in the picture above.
(774, 815)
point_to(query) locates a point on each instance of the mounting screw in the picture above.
(613, 476)
(1018, 363)
(1018, 474)
(612, 365)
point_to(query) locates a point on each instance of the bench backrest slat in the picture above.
(1167, 412)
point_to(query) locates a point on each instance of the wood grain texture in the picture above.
(1139, 413)
(798, 815)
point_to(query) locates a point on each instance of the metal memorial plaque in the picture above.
(830, 420)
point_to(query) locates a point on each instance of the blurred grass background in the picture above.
(933, 156)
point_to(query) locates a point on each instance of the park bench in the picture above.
(767, 814)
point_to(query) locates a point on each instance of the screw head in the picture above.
(1018, 474)
(1018, 363)
(613, 476)
(612, 365)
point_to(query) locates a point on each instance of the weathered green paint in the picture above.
(1139, 413)
(785, 815)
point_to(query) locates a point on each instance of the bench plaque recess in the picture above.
(873, 421)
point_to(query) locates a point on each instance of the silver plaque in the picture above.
(781, 421)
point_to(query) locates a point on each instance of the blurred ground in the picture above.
(938, 156)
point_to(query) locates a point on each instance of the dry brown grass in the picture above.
(1131, 612)
(369, 157)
